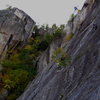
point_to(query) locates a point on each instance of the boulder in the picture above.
(15, 28)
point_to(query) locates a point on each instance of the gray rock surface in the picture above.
(46, 56)
(15, 28)
(81, 79)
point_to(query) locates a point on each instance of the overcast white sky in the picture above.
(45, 11)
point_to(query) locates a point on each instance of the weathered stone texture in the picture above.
(80, 80)
(15, 26)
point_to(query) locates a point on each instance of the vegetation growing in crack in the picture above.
(68, 37)
(61, 57)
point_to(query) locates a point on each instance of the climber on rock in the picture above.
(76, 10)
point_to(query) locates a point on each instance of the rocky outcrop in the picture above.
(15, 28)
(77, 20)
(46, 56)
(81, 79)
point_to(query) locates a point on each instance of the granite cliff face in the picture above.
(15, 28)
(81, 79)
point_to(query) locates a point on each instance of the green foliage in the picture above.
(72, 15)
(61, 58)
(45, 39)
(56, 53)
(16, 78)
(48, 38)
(19, 68)
(62, 61)
(8, 84)
(58, 31)
(19, 65)
(15, 82)
(69, 36)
